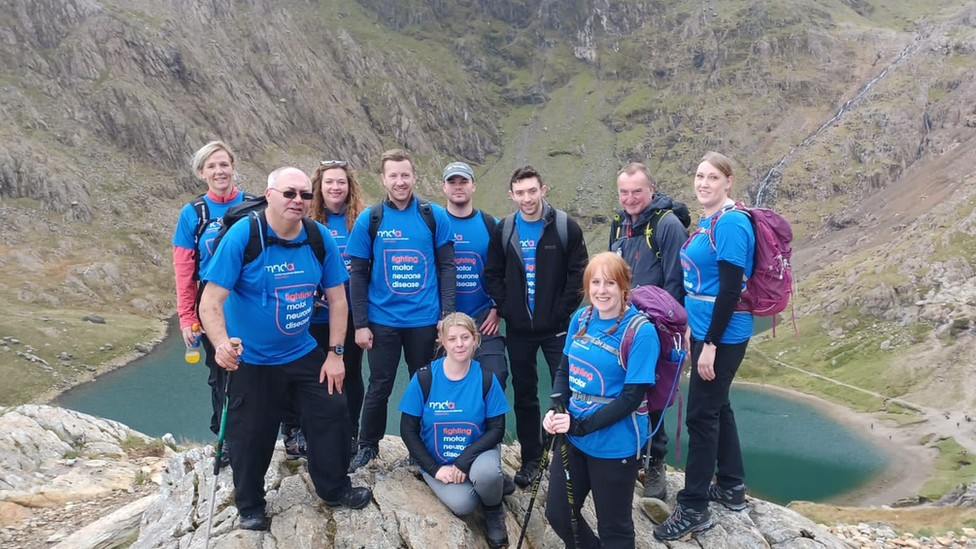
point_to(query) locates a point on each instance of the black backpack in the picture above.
(199, 205)
(259, 239)
(426, 378)
(426, 212)
(679, 209)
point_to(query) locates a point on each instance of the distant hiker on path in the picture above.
(402, 284)
(605, 432)
(280, 359)
(536, 259)
(714, 261)
(337, 202)
(453, 422)
(193, 241)
(648, 233)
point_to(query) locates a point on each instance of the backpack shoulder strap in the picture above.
(615, 226)
(425, 377)
(203, 217)
(427, 213)
(508, 227)
(489, 220)
(630, 332)
(314, 238)
(562, 228)
(485, 382)
(255, 241)
(375, 218)
(650, 232)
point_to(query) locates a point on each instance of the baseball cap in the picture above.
(458, 168)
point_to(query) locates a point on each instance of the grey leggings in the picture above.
(484, 485)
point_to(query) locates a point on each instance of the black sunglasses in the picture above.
(290, 194)
(336, 163)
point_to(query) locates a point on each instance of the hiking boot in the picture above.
(655, 480)
(495, 521)
(733, 498)
(683, 521)
(354, 498)
(508, 485)
(254, 521)
(225, 455)
(527, 474)
(362, 457)
(295, 445)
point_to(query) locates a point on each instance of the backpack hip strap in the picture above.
(583, 397)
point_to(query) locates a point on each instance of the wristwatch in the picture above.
(337, 349)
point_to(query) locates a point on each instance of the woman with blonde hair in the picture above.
(193, 240)
(453, 421)
(716, 260)
(336, 201)
(604, 430)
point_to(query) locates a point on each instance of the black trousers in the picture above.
(417, 345)
(215, 379)
(657, 445)
(257, 397)
(612, 483)
(522, 350)
(352, 386)
(713, 437)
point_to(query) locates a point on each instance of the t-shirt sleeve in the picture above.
(224, 268)
(444, 232)
(412, 402)
(495, 402)
(571, 331)
(185, 228)
(734, 238)
(334, 270)
(642, 360)
(358, 244)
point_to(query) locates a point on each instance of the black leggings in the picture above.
(612, 484)
(713, 435)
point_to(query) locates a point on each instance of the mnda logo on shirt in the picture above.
(392, 233)
(442, 406)
(280, 268)
(527, 243)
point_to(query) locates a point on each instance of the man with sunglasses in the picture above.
(269, 303)
(402, 283)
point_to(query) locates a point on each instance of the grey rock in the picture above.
(93, 318)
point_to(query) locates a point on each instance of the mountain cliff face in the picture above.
(103, 102)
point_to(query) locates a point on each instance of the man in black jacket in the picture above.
(534, 272)
(648, 235)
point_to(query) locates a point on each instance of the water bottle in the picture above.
(192, 354)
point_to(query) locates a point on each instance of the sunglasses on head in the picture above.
(290, 194)
(334, 163)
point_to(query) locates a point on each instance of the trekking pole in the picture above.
(547, 449)
(235, 342)
(564, 451)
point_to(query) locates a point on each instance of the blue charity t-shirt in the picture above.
(735, 242)
(403, 289)
(455, 413)
(470, 250)
(596, 371)
(529, 233)
(336, 225)
(270, 301)
(186, 227)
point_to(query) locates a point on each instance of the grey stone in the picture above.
(93, 318)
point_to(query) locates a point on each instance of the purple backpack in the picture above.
(670, 321)
(768, 290)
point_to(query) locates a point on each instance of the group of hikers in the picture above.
(316, 277)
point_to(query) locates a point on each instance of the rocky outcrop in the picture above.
(405, 513)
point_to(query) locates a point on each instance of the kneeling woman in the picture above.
(453, 420)
(605, 433)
